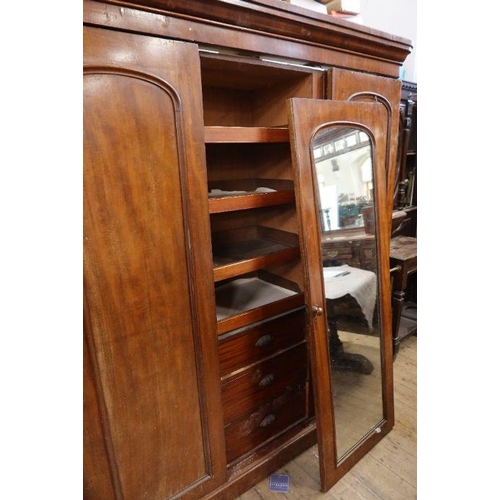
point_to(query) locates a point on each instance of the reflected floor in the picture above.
(357, 396)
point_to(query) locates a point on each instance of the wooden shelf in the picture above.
(247, 300)
(249, 201)
(246, 249)
(246, 134)
(225, 271)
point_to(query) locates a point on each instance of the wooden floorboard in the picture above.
(388, 472)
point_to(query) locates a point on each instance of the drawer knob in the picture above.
(267, 380)
(264, 340)
(268, 420)
(317, 311)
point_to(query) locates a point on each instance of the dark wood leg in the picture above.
(345, 361)
(398, 298)
(401, 196)
(397, 308)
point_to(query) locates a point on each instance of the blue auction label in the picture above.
(279, 482)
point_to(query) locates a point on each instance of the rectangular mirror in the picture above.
(340, 157)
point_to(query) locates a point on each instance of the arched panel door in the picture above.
(148, 287)
(348, 85)
(339, 155)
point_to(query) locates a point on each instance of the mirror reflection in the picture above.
(344, 176)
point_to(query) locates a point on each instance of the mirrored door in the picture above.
(339, 159)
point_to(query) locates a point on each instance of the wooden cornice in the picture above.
(284, 20)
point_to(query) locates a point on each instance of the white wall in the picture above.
(398, 17)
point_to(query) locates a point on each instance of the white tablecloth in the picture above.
(360, 284)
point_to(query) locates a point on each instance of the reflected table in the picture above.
(359, 283)
(362, 286)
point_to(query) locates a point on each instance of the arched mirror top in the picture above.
(343, 157)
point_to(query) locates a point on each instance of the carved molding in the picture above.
(283, 20)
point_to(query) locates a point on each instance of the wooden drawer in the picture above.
(265, 422)
(262, 382)
(342, 252)
(355, 253)
(260, 341)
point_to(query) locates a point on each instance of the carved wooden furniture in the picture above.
(352, 247)
(199, 347)
(403, 258)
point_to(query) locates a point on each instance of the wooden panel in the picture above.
(280, 217)
(96, 467)
(131, 207)
(143, 302)
(224, 107)
(226, 161)
(245, 134)
(260, 341)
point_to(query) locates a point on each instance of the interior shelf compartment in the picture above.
(269, 164)
(219, 134)
(252, 298)
(243, 91)
(248, 249)
(243, 194)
